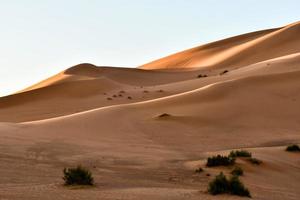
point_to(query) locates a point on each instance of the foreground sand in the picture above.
(84, 116)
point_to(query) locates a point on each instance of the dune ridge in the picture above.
(241, 50)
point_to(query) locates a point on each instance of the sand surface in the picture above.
(111, 121)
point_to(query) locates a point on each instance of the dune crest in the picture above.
(236, 51)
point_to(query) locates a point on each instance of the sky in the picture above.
(41, 38)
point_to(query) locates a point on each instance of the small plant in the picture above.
(108, 98)
(237, 187)
(77, 176)
(199, 170)
(220, 161)
(293, 148)
(129, 97)
(224, 72)
(202, 76)
(240, 153)
(219, 185)
(237, 171)
(255, 161)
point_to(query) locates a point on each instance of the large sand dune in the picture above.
(235, 52)
(144, 132)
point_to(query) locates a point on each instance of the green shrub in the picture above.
(236, 187)
(220, 161)
(237, 171)
(219, 185)
(240, 153)
(255, 161)
(293, 147)
(77, 176)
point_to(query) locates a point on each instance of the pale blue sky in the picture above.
(39, 38)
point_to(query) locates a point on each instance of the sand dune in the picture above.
(235, 52)
(144, 132)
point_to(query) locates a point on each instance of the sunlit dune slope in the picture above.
(236, 51)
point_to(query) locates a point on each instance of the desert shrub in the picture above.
(202, 76)
(255, 161)
(220, 161)
(240, 153)
(236, 187)
(129, 97)
(224, 72)
(237, 171)
(199, 170)
(77, 176)
(108, 98)
(293, 147)
(219, 185)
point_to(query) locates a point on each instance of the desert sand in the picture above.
(111, 121)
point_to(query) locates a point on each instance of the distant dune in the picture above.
(143, 131)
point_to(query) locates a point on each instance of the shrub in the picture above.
(237, 171)
(236, 187)
(77, 176)
(255, 161)
(224, 72)
(240, 153)
(199, 170)
(220, 161)
(219, 185)
(202, 76)
(293, 147)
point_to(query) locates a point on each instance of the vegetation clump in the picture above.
(237, 171)
(255, 161)
(237, 187)
(202, 76)
(293, 148)
(221, 185)
(77, 176)
(220, 161)
(240, 153)
(224, 72)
